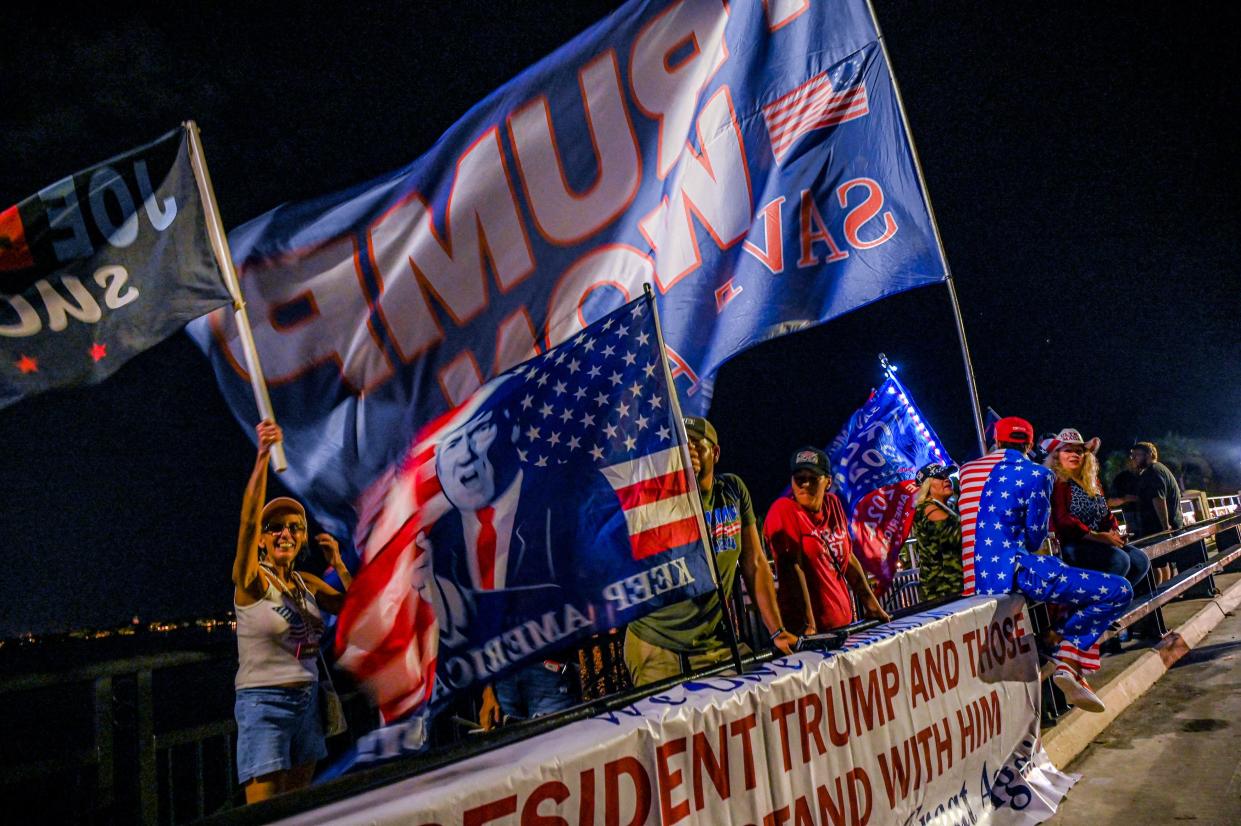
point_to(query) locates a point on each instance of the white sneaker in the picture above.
(1077, 691)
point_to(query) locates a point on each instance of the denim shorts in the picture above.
(277, 728)
(533, 691)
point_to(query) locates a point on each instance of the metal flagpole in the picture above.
(965, 356)
(939, 241)
(219, 244)
(708, 540)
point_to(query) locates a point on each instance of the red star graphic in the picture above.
(98, 351)
(27, 364)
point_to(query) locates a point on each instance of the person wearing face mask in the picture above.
(279, 627)
(937, 532)
(809, 538)
(1088, 532)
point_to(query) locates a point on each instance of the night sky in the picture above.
(1080, 160)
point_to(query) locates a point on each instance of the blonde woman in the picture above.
(937, 531)
(279, 627)
(1088, 532)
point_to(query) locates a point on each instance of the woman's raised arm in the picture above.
(246, 564)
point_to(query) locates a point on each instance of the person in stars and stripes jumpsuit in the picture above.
(1005, 505)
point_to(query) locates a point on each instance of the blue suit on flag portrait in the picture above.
(508, 543)
(538, 525)
(1005, 509)
(508, 553)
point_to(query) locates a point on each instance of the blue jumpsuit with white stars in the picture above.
(1012, 524)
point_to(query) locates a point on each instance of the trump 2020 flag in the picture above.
(874, 460)
(101, 265)
(748, 160)
(554, 503)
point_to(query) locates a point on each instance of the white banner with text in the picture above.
(931, 719)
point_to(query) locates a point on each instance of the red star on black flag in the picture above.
(98, 351)
(27, 364)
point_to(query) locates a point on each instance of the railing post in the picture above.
(201, 798)
(1196, 555)
(1053, 701)
(148, 782)
(105, 740)
(1054, 705)
(1151, 626)
(1226, 539)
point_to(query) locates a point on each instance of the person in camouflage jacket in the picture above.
(937, 531)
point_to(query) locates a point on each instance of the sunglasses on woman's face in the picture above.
(1079, 451)
(294, 528)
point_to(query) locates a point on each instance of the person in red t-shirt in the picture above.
(809, 537)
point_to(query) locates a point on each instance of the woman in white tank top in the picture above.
(279, 625)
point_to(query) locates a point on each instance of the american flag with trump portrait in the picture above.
(555, 503)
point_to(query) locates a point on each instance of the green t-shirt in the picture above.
(694, 626)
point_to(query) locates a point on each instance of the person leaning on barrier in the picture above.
(809, 537)
(1005, 504)
(279, 624)
(1125, 496)
(1088, 532)
(691, 634)
(1159, 499)
(937, 533)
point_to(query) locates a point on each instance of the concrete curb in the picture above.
(1076, 731)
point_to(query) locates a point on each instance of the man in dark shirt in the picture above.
(1159, 500)
(1124, 491)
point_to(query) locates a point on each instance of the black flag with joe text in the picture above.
(101, 265)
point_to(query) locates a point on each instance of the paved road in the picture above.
(1174, 756)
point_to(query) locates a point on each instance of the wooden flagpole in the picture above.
(708, 540)
(939, 241)
(219, 244)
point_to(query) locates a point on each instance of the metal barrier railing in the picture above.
(1223, 505)
(1195, 507)
(1200, 551)
(116, 774)
(904, 592)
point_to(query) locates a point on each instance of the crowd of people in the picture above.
(807, 535)
(983, 528)
(996, 539)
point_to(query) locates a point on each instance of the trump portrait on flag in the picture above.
(555, 503)
(508, 542)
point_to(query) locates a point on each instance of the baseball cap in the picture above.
(934, 470)
(1014, 429)
(282, 504)
(696, 426)
(809, 458)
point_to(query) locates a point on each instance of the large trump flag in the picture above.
(557, 502)
(748, 160)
